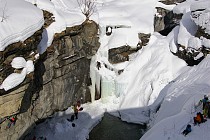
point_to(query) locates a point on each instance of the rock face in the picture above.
(165, 21)
(121, 54)
(193, 56)
(61, 77)
(168, 2)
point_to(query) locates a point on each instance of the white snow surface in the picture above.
(201, 14)
(66, 14)
(18, 23)
(18, 62)
(187, 30)
(178, 105)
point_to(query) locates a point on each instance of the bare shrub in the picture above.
(87, 7)
(4, 11)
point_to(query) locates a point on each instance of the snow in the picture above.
(19, 23)
(200, 5)
(15, 79)
(18, 62)
(164, 6)
(195, 43)
(172, 38)
(187, 30)
(182, 95)
(121, 37)
(201, 14)
(205, 42)
(183, 7)
(63, 18)
(152, 79)
(60, 128)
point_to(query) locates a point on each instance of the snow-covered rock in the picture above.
(15, 79)
(19, 23)
(18, 62)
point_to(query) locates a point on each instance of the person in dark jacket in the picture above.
(187, 130)
(208, 109)
(204, 100)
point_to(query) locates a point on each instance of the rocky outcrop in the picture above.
(121, 54)
(165, 21)
(168, 2)
(144, 39)
(61, 77)
(191, 55)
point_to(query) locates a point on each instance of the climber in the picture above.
(108, 30)
(208, 110)
(187, 130)
(75, 111)
(197, 119)
(98, 65)
(79, 106)
(202, 118)
(205, 110)
(12, 121)
(204, 100)
(78, 103)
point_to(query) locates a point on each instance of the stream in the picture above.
(113, 128)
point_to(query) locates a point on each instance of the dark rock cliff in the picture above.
(61, 77)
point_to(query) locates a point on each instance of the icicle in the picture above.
(107, 88)
(93, 78)
(120, 88)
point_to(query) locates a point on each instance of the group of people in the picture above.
(11, 121)
(200, 118)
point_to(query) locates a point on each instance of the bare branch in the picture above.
(87, 7)
(4, 12)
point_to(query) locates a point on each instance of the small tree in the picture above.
(3, 9)
(87, 7)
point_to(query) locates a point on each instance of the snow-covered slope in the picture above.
(178, 105)
(151, 70)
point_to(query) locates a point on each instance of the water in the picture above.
(112, 128)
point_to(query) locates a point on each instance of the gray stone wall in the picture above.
(61, 77)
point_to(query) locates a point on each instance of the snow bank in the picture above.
(178, 103)
(19, 23)
(151, 71)
(18, 62)
(201, 14)
(124, 36)
(200, 5)
(164, 6)
(66, 14)
(127, 13)
(182, 8)
(187, 30)
(15, 79)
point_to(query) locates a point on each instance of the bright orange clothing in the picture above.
(198, 118)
